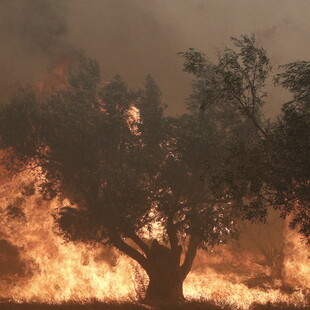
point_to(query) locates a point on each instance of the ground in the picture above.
(131, 306)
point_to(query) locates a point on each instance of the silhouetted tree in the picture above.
(124, 166)
(271, 168)
(266, 242)
(290, 158)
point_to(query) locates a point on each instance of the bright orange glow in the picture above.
(57, 271)
(54, 271)
(56, 79)
(133, 119)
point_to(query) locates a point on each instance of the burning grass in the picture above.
(53, 273)
(191, 305)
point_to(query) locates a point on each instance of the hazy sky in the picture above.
(137, 37)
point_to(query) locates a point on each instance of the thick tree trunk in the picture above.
(166, 277)
(162, 264)
(164, 289)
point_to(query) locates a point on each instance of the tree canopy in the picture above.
(121, 164)
(275, 162)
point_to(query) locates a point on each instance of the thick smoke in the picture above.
(134, 37)
(33, 37)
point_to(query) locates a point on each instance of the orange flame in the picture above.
(56, 79)
(57, 271)
(54, 271)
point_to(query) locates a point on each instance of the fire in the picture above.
(210, 285)
(296, 260)
(55, 271)
(56, 79)
(133, 115)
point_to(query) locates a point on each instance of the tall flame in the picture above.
(56, 271)
(48, 269)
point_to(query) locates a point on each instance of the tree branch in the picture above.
(250, 115)
(171, 232)
(254, 121)
(190, 255)
(128, 250)
(176, 249)
(139, 242)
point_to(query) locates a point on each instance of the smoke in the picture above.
(133, 38)
(33, 37)
(136, 37)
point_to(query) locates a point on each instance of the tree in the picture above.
(290, 158)
(237, 80)
(272, 168)
(123, 165)
(266, 243)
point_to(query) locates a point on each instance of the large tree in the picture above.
(123, 166)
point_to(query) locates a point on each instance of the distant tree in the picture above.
(266, 243)
(271, 168)
(123, 166)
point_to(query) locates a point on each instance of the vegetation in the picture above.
(121, 165)
(276, 164)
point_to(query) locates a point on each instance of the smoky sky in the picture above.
(137, 37)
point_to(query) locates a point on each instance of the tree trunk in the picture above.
(164, 289)
(162, 264)
(277, 266)
(166, 277)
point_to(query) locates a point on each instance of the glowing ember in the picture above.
(133, 115)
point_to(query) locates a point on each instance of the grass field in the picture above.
(132, 306)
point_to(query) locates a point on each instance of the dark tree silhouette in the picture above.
(123, 165)
(275, 164)
(290, 159)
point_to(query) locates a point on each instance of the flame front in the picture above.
(55, 271)
(48, 269)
